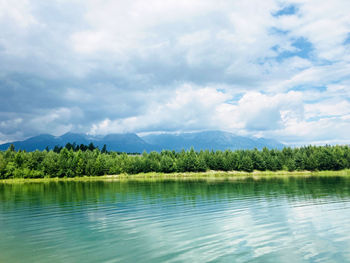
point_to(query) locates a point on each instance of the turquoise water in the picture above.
(275, 220)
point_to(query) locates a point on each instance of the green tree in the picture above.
(258, 161)
(3, 164)
(246, 164)
(189, 162)
(290, 164)
(50, 164)
(167, 164)
(104, 149)
(11, 148)
(9, 169)
(19, 159)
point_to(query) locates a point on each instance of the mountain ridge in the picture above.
(131, 142)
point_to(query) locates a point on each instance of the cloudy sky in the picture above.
(272, 68)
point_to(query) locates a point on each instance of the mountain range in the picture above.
(131, 142)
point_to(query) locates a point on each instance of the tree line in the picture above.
(76, 147)
(82, 147)
(71, 162)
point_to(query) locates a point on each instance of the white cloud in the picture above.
(325, 24)
(263, 112)
(327, 108)
(18, 13)
(186, 108)
(176, 65)
(191, 108)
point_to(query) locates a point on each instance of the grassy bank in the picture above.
(209, 175)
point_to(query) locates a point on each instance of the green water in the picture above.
(275, 220)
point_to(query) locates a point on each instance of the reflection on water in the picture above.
(274, 220)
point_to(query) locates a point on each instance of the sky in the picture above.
(274, 69)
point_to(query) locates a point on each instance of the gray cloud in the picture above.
(87, 66)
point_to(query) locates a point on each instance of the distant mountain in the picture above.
(212, 140)
(33, 143)
(130, 142)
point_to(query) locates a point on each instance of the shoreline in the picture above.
(209, 176)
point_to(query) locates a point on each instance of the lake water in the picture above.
(274, 220)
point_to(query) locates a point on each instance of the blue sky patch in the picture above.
(288, 10)
(303, 88)
(347, 40)
(277, 31)
(303, 49)
(235, 98)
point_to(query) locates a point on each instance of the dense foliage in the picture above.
(76, 147)
(71, 163)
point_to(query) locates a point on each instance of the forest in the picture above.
(75, 161)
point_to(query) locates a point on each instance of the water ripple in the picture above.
(264, 221)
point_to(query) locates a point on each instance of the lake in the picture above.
(267, 220)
